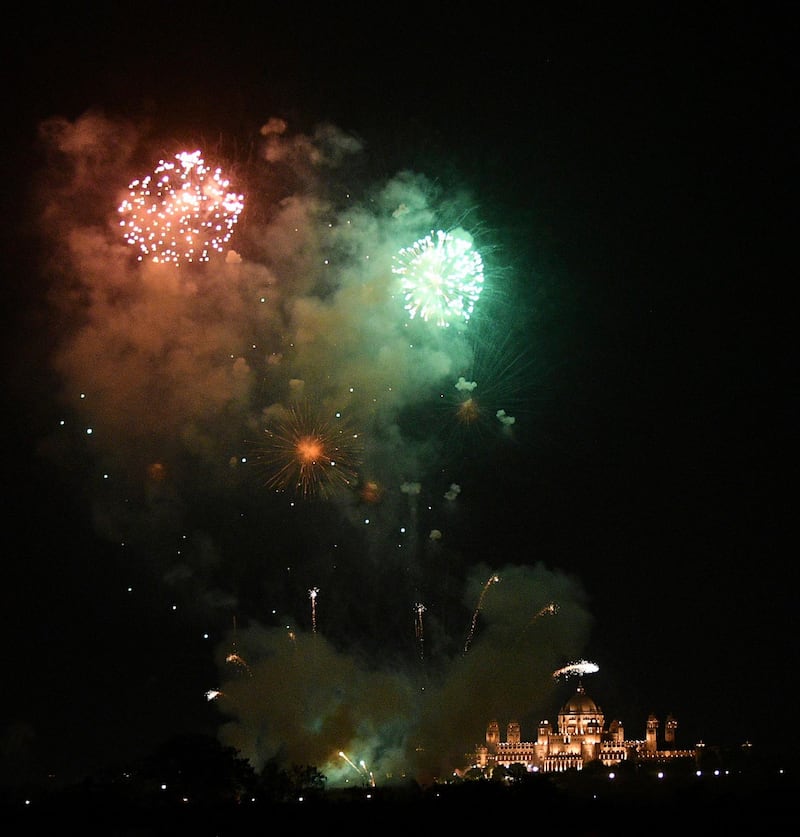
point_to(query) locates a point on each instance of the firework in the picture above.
(493, 579)
(441, 277)
(181, 212)
(310, 455)
(578, 668)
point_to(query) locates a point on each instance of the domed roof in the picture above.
(580, 704)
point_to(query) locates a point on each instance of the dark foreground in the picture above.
(576, 805)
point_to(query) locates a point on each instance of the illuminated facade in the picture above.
(581, 737)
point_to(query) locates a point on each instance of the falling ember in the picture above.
(181, 212)
(492, 580)
(578, 668)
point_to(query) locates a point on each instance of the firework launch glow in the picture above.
(267, 424)
(180, 213)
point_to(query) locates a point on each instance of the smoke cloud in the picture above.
(170, 377)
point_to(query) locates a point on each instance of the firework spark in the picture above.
(181, 212)
(310, 455)
(441, 277)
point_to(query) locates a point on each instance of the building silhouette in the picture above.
(581, 736)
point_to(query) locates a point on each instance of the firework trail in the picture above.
(550, 609)
(367, 773)
(441, 277)
(419, 609)
(312, 594)
(181, 212)
(493, 579)
(344, 756)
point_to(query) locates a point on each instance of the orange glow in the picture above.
(156, 471)
(309, 449)
(371, 492)
(468, 411)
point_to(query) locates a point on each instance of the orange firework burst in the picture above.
(310, 454)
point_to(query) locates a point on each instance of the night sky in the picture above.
(624, 180)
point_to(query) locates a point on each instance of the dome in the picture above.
(580, 704)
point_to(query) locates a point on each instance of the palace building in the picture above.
(582, 736)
